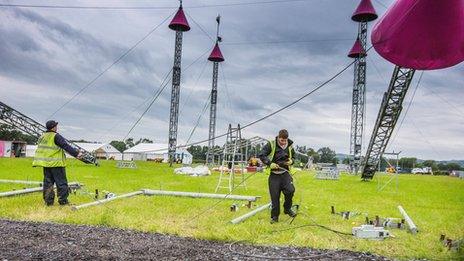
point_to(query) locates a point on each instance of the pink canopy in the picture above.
(2, 148)
(216, 54)
(179, 22)
(357, 50)
(421, 34)
(365, 12)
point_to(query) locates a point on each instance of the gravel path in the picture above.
(21, 240)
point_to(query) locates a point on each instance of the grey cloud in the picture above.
(260, 77)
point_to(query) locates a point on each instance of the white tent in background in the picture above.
(100, 150)
(30, 150)
(154, 151)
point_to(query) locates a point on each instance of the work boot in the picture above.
(64, 203)
(290, 212)
(274, 220)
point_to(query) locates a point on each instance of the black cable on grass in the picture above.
(314, 225)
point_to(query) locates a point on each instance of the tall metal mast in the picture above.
(363, 14)
(216, 57)
(179, 24)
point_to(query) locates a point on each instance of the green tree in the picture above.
(453, 166)
(441, 166)
(9, 133)
(408, 163)
(129, 143)
(301, 158)
(327, 155)
(312, 153)
(430, 163)
(198, 152)
(346, 161)
(119, 145)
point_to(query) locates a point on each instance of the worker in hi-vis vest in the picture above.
(278, 155)
(50, 155)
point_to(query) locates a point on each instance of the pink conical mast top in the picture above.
(423, 35)
(179, 22)
(357, 50)
(216, 54)
(365, 12)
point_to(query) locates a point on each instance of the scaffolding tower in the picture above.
(179, 24)
(363, 14)
(233, 161)
(215, 57)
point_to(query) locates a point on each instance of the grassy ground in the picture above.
(436, 204)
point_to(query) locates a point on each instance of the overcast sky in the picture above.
(47, 55)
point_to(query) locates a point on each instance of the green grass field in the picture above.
(435, 203)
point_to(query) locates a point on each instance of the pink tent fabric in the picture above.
(365, 12)
(216, 54)
(357, 50)
(179, 22)
(421, 34)
(2, 148)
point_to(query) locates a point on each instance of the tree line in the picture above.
(322, 155)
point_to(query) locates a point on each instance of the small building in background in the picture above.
(12, 149)
(457, 173)
(156, 152)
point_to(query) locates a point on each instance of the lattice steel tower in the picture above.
(363, 14)
(216, 57)
(179, 24)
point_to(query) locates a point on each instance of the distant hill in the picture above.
(341, 157)
(460, 162)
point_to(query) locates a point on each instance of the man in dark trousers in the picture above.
(50, 155)
(279, 155)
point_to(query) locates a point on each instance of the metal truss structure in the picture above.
(175, 95)
(212, 116)
(358, 106)
(28, 125)
(389, 113)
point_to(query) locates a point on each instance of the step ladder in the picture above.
(233, 161)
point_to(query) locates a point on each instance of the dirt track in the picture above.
(28, 240)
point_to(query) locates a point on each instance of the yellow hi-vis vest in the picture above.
(271, 156)
(48, 154)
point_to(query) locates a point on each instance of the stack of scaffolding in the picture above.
(328, 173)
